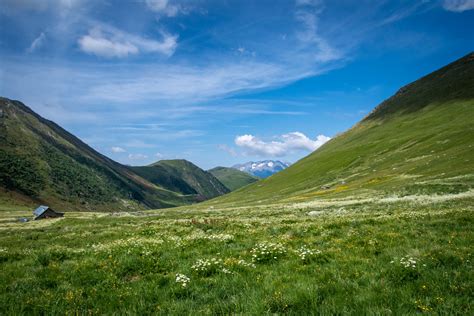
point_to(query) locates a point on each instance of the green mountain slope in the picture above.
(419, 141)
(232, 178)
(42, 163)
(182, 176)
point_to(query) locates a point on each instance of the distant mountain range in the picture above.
(182, 176)
(262, 169)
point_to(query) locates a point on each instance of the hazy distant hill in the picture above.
(42, 163)
(419, 141)
(262, 169)
(183, 176)
(232, 178)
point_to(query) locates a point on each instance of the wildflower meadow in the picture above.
(394, 258)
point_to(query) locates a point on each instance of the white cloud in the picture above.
(137, 156)
(117, 150)
(96, 44)
(458, 5)
(286, 144)
(37, 43)
(163, 7)
(106, 41)
(159, 155)
(315, 45)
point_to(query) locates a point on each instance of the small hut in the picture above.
(43, 212)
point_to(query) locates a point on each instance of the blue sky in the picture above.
(219, 82)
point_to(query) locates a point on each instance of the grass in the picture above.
(233, 179)
(325, 259)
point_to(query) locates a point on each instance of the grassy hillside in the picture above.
(42, 163)
(183, 176)
(420, 141)
(232, 178)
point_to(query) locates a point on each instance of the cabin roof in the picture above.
(40, 210)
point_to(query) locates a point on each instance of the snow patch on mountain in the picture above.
(262, 169)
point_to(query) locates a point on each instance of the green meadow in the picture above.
(348, 256)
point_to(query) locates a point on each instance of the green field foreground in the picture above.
(404, 256)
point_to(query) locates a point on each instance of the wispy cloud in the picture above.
(458, 5)
(317, 46)
(137, 156)
(175, 82)
(37, 43)
(107, 41)
(231, 151)
(117, 149)
(282, 146)
(138, 143)
(164, 7)
(34, 5)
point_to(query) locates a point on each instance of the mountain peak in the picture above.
(263, 168)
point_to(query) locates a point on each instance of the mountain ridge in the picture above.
(40, 162)
(183, 176)
(442, 91)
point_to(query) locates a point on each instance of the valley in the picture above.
(378, 220)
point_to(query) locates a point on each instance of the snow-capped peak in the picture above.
(262, 169)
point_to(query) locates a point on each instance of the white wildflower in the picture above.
(182, 279)
(267, 251)
(207, 266)
(408, 262)
(246, 264)
(306, 254)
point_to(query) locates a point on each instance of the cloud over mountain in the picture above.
(285, 144)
